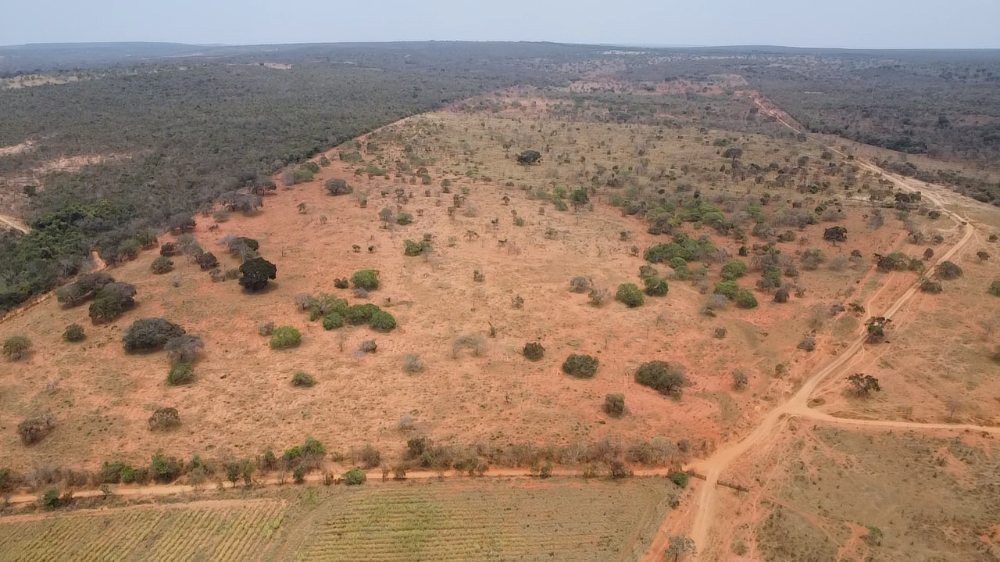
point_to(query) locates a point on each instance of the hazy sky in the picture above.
(838, 23)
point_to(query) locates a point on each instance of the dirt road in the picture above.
(14, 223)
(797, 405)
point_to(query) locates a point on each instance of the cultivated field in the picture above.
(460, 520)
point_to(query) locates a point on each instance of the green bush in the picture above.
(366, 279)
(415, 248)
(580, 366)
(680, 478)
(285, 337)
(947, 270)
(150, 334)
(161, 265)
(361, 313)
(332, 321)
(111, 302)
(533, 351)
(995, 288)
(165, 469)
(689, 249)
(727, 288)
(404, 218)
(734, 270)
(665, 378)
(50, 499)
(745, 299)
(255, 274)
(614, 405)
(629, 295)
(656, 287)
(74, 333)
(16, 347)
(301, 379)
(355, 477)
(382, 321)
(181, 373)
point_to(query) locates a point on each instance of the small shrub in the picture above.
(412, 364)
(382, 321)
(366, 279)
(947, 270)
(180, 374)
(533, 351)
(361, 313)
(207, 261)
(35, 428)
(165, 469)
(930, 286)
(183, 349)
(740, 380)
(285, 337)
(475, 343)
(265, 328)
(337, 186)
(341, 283)
(74, 333)
(579, 285)
(50, 499)
(169, 249)
(665, 378)
(164, 419)
(629, 295)
(808, 344)
(734, 270)
(16, 347)
(614, 405)
(656, 287)
(414, 249)
(111, 302)
(995, 288)
(302, 380)
(332, 321)
(150, 334)
(720, 332)
(597, 296)
(404, 219)
(368, 346)
(580, 366)
(680, 479)
(746, 299)
(355, 477)
(729, 289)
(162, 265)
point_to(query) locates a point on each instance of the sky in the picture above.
(901, 24)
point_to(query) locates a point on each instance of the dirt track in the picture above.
(797, 405)
(14, 223)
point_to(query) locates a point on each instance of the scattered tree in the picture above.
(255, 274)
(614, 405)
(150, 334)
(74, 333)
(161, 265)
(111, 302)
(529, 157)
(665, 378)
(680, 546)
(835, 234)
(947, 270)
(337, 186)
(863, 384)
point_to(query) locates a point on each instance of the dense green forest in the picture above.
(191, 131)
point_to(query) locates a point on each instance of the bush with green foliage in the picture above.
(333, 320)
(533, 351)
(995, 288)
(683, 246)
(111, 302)
(255, 274)
(361, 313)
(614, 405)
(337, 186)
(84, 288)
(16, 347)
(50, 499)
(161, 265)
(366, 279)
(166, 469)
(629, 295)
(285, 337)
(734, 270)
(729, 289)
(415, 248)
(896, 261)
(656, 287)
(404, 218)
(666, 378)
(745, 299)
(930, 286)
(303, 380)
(679, 478)
(150, 334)
(74, 333)
(180, 374)
(529, 157)
(947, 270)
(207, 261)
(382, 321)
(183, 349)
(355, 477)
(580, 366)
